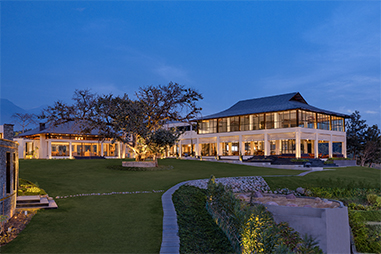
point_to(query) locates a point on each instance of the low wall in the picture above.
(330, 226)
(139, 164)
(345, 163)
(8, 177)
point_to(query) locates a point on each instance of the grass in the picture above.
(352, 177)
(203, 235)
(129, 223)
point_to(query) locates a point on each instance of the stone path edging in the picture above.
(170, 240)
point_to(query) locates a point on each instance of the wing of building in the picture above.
(67, 141)
(277, 125)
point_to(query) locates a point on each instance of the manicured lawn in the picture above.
(126, 223)
(353, 177)
(129, 223)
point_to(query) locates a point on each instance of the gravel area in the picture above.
(236, 184)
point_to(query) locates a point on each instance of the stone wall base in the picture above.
(139, 164)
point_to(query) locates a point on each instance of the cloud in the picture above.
(171, 73)
(371, 112)
(80, 9)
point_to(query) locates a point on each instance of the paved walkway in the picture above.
(170, 240)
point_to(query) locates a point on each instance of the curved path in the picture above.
(170, 240)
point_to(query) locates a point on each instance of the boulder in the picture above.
(300, 190)
(290, 196)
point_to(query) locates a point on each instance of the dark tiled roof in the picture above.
(270, 104)
(66, 128)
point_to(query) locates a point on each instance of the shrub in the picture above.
(373, 199)
(365, 240)
(251, 229)
(27, 188)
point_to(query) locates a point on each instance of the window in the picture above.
(288, 146)
(8, 172)
(323, 121)
(258, 122)
(110, 150)
(337, 123)
(222, 125)
(207, 126)
(60, 149)
(14, 172)
(208, 149)
(307, 119)
(270, 121)
(245, 123)
(234, 123)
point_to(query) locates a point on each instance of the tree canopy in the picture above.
(24, 119)
(363, 141)
(136, 122)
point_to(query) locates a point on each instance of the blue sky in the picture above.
(329, 51)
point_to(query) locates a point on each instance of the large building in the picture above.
(277, 125)
(66, 142)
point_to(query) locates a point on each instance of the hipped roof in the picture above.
(65, 128)
(275, 103)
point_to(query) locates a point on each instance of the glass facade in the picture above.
(323, 121)
(187, 150)
(230, 148)
(59, 149)
(337, 123)
(274, 120)
(209, 149)
(288, 146)
(110, 150)
(254, 148)
(207, 126)
(307, 119)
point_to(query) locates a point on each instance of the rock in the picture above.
(318, 199)
(292, 205)
(258, 194)
(300, 190)
(271, 203)
(290, 196)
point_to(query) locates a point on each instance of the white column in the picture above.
(197, 147)
(316, 144)
(123, 150)
(252, 147)
(219, 147)
(49, 150)
(330, 146)
(250, 122)
(70, 151)
(267, 145)
(180, 149)
(228, 124)
(297, 144)
(344, 147)
(241, 146)
(42, 148)
(230, 148)
(278, 147)
(102, 152)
